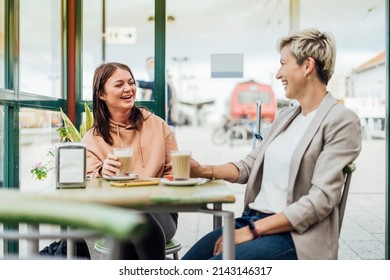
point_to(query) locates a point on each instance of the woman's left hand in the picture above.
(241, 235)
(111, 165)
(196, 169)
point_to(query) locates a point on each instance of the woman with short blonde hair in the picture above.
(294, 178)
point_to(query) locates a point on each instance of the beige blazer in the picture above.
(332, 140)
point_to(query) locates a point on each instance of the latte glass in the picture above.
(124, 156)
(181, 161)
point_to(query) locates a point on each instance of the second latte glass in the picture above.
(181, 163)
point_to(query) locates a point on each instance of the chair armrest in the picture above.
(349, 168)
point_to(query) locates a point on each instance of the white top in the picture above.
(273, 194)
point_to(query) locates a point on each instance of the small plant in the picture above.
(40, 170)
(67, 133)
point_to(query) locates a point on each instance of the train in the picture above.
(244, 98)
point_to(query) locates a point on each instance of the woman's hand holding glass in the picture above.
(111, 165)
(196, 169)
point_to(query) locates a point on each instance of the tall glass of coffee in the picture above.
(181, 161)
(124, 156)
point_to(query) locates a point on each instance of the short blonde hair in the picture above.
(321, 46)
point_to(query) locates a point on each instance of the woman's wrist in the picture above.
(209, 172)
(212, 177)
(253, 229)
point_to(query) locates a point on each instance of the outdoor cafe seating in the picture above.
(71, 220)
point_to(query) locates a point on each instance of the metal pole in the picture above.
(387, 192)
(228, 249)
(217, 221)
(257, 135)
(294, 14)
(32, 245)
(228, 236)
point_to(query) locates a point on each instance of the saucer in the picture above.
(189, 182)
(121, 178)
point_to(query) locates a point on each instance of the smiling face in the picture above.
(291, 74)
(119, 91)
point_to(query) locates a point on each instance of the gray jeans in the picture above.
(151, 246)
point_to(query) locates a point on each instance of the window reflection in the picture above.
(250, 97)
(2, 32)
(128, 37)
(38, 136)
(1, 145)
(40, 47)
(92, 43)
(229, 26)
(226, 27)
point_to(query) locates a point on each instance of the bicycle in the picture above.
(244, 131)
(218, 136)
(239, 133)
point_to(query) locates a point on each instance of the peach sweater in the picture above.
(151, 145)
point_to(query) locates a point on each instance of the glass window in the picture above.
(231, 27)
(128, 38)
(2, 32)
(1, 145)
(92, 43)
(253, 96)
(38, 137)
(226, 27)
(40, 47)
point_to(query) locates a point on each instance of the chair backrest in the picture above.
(83, 219)
(348, 170)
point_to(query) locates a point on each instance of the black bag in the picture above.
(58, 249)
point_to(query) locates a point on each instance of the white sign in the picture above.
(121, 35)
(227, 65)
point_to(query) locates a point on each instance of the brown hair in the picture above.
(101, 114)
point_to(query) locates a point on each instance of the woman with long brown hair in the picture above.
(119, 122)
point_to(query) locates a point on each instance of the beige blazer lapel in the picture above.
(323, 110)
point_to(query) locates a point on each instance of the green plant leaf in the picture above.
(82, 129)
(89, 117)
(87, 124)
(72, 133)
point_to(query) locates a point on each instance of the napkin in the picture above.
(71, 162)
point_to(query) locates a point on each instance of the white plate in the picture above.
(121, 178)
(189, 182)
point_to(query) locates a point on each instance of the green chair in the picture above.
(171, 248)
(79, 219)
(348, 170)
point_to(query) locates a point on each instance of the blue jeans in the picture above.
(269, 247)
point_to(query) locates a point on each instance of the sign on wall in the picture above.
(227, 65)
(121, 35)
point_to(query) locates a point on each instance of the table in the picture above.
(162, 198)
